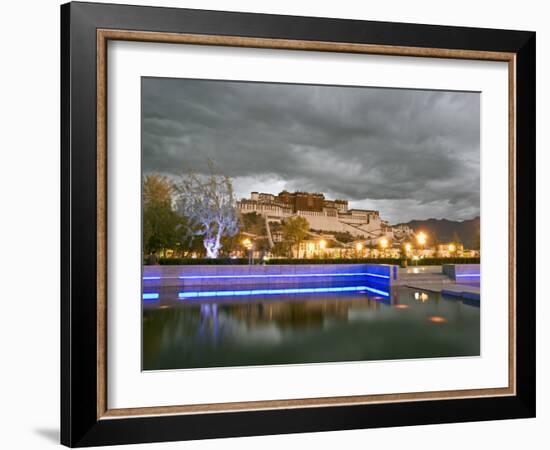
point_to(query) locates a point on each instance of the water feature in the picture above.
(206, 326)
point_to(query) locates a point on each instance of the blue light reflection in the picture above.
(235, 293)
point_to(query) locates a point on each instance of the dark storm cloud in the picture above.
(414, 154)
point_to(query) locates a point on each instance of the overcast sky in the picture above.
(410, 154)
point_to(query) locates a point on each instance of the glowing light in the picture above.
(359, 246)
(383, 242)
(401, 306)
(151, 278)
(200, 294)
(322, 244)
(437, 319)
(466, 275)
(408, 247)
(376, 275)
(311, 246)
(421, 296)
(150, 296)
(247, 243)
(378, 291)
(452, 248)
(421, 238)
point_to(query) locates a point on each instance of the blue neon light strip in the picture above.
(198, 294)
(378, 291)
(281, 275)
(377, 275)
(151, 278)
(465, 275)
(150, 296)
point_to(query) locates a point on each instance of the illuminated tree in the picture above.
(208, 203)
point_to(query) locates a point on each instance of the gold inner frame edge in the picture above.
(103, 36)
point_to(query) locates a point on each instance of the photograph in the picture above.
(299, 223)
(273, 225)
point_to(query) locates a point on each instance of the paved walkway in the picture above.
(431, 279)
(412, 269)
(453, 290)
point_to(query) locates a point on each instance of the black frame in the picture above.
(79, 423)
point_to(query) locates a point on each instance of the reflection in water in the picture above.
(437, 319)
(304, 328)
(421, 296)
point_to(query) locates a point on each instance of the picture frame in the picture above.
(86, 418)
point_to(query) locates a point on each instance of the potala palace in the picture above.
(323, 215)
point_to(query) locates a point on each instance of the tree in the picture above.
(208, 203)
(295, 230)
(253, 223)
(160, 222)
(280, 249)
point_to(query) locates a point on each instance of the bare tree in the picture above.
(208, 203)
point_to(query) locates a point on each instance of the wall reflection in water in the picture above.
(304, 328)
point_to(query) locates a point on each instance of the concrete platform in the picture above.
(453, 290)
(469, 292)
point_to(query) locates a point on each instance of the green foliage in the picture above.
(202, 261)
(289, 261)
(307, 261)
(253, 223)
(262, 244)
(281, 249)
(161, 225)
(295, 230)
(440, 261)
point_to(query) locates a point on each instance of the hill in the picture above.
(444, 230)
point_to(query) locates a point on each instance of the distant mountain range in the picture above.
(444, 230)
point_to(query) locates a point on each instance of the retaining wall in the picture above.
(462, 272)
(269, 274)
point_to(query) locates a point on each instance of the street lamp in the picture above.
(452, 248)
(248, 245)
(421, 238)
(407, 247)
(383, 245)
(310, 249)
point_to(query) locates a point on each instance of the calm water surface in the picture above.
(305, 328)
